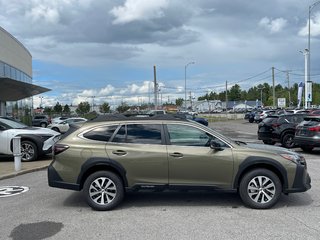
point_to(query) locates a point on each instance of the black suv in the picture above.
(279, 128)
(41, 121)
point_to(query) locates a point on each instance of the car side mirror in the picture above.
(215, 145)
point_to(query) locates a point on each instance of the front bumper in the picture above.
(302, 181)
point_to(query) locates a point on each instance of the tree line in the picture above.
(237, 94)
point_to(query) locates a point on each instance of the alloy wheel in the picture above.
(102, 191)
(261, 189)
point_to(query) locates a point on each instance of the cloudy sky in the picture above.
(107, 48)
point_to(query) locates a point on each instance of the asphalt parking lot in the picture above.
(43, 212)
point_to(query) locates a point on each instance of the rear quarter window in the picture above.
(101, 133)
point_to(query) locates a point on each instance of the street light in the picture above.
(307, 84)
(185, 84)
(309, 65)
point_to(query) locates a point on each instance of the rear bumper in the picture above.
(302, 141)
(54, 180)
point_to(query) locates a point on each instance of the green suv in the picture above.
(106, 158)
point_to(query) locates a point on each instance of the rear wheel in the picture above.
(103, 190)
(287, 140)
(43, 125)
(29, 151)
(260, 189)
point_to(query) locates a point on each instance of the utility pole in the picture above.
(226, 95)
(289, 88)
(273, 89)
(155, 88)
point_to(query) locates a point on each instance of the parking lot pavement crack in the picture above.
(304, 224)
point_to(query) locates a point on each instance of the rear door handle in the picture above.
(119, 152)
(176, 155)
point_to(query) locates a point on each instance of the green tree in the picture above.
(235, 93)
(105, 107)
(57, 108)
(66, 109)
(48, 111)
(83, 108)
(179, 102)
(123, 107)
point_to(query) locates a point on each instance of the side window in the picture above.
(139, 133)
(101, 133)
(144, 133)
(183, 135)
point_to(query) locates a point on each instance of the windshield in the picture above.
(12, 124)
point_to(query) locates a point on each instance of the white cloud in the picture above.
(134, 10)
(273, 26)
(314, 27)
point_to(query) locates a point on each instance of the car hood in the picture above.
(35, 130)
(270, 148)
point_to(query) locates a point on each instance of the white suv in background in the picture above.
(35, 141)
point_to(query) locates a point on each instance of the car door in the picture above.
(140, 149)
(193, 162)
(4, 141)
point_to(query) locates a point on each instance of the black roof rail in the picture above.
(126, 117)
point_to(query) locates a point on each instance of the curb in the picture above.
(11, 175)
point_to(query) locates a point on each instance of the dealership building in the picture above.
(16, 88)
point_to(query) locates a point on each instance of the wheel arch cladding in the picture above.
(261, 162)
(101, 164)
(29, 137)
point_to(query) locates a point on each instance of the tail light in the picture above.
(314, 129)
(59, 148)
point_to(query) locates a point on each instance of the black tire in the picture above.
(56, 129)
(29, 151)
(306, 148)
(287, 140)
(43, 125)
(257, 196)
(269, 142)
(251, 120)
(112, 187)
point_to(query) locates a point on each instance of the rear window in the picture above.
(101, 133)
(270, 119)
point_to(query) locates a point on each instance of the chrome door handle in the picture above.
(176, 155)
(119, 152)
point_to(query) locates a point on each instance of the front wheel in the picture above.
(29, 151)
(260, 189)
(103, 190)
(287, 140)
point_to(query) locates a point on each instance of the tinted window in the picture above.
(190, 136)
(101, 133)
(139, 133)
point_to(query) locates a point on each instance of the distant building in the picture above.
(16, 88)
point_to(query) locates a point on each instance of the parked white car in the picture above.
(35, 141)
(63, 126)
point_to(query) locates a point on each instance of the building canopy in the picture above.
(12, 90)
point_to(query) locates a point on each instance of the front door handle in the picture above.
(176, 155)
(119, 152)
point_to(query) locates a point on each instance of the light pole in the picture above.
(185, 84)
(309, 86)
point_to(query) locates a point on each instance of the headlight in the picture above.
(294, 158)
